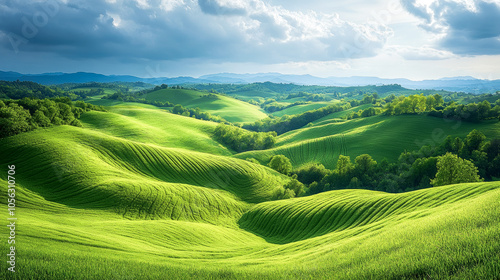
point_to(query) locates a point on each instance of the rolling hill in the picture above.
(228, 108)
(148, 124)
(299, 109)
(140, 193)
(441, 233)
(380, 136)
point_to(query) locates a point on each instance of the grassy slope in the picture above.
(337, 116)
(113, 208)
(299, 109)
(148, 124)
(133, 179)
(379, 136)
(450, 231)
(229, 108)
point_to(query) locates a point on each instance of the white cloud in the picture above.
(170, 5)
(419, 53)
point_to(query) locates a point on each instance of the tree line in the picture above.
(271, 105)
(17, 116)
(287, 123)
(471, 159)
(120, 96)
(22, 89)
(197, 113)
(241, 140)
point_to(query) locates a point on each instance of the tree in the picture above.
(344, 165)
(40, 119)
(311, 173)
(297, 187)
(474, 140)
(281, 164)
(365, 164)
(452, 169)
(13, 120)
(439, 99)
(368, 112)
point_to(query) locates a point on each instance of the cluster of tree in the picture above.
(413, 104)
(241, 140)
(432, 105)
(472, 112)
(368, 112)
(287, 123)
(283, 165)
(17, 116)
(367, 99)
(160, 87)
(210, 95)
(163, 86)
(197, 113)
(456, 160)
(19, 90)
(82, 94)
(493, 98)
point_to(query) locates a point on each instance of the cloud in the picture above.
(420, 53)
(464, 27)
(218, 7)
(215, 30)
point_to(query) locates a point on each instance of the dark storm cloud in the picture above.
(49, 26)
(215, 30)
(466, 28)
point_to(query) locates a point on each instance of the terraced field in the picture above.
(229, 108)
(380, 136)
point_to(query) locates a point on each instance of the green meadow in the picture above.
(137, 192)
(298, 109)
(231, 109)
(380, 136)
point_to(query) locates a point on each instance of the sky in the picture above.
(414, 39)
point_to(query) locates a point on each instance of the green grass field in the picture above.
(299, 109)
(229, 108)
(380, 136)
(148, 124)
(338, 116)
(140, 193)
(448, 232)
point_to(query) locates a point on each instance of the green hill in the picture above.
(338, 116)
(380, 136)
(445, 232)
(139, 193)
(299, 109)
(228, 108)
(134, 179)
(148, 124)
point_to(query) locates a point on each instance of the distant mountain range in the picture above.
(459, 84)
